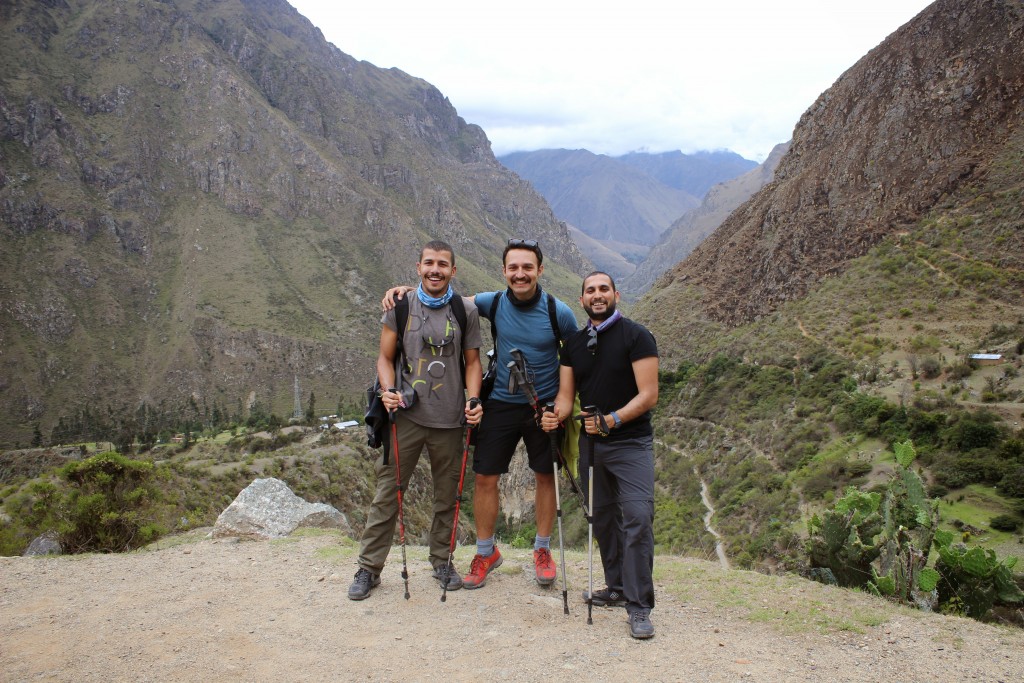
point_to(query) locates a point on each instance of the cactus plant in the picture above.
(843, 539)
(910, 519)
(973, 579)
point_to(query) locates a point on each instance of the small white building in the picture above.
(987, 358)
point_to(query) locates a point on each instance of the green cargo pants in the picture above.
(444, 449)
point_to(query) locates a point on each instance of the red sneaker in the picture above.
(545, 565)
(480, 568)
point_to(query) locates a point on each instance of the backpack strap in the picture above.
(458, 307)
(552, 316)
(401, 320)
(494, 314)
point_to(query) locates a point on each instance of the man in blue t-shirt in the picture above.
(614, 365)
(522, 322)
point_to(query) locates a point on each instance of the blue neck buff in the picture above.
(434, 302)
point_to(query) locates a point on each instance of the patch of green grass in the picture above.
(338, 552)
(979, 505)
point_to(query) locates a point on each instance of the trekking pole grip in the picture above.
(473, 403)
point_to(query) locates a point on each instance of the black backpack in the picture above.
(376, 417)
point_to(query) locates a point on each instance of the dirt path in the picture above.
(705, 498)
(277, 611)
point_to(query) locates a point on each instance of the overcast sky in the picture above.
(641, 75)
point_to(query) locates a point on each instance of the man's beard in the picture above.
(603, 315)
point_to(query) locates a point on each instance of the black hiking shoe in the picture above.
(441, 572)
(606, 598)
(364, 582)
(640, 626)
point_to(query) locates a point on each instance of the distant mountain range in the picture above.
(624, 204)
(696, 224)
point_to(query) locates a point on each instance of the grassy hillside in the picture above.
(781, 414)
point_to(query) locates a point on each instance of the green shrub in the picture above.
(959, 371)
(107, 503)
(930, 367)
(1004, 523)
(1012, 483)
(859, 468)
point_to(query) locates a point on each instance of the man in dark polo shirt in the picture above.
(613, 363)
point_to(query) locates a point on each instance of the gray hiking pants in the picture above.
(624, 515)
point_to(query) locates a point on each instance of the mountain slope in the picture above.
(917, 118)
(603, 197)
(205, 200)
(833, 314)
(696, 173)
(695, 225)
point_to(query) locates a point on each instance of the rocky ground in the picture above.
(197, 609)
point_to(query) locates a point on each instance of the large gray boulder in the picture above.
(47, 544)
(267, 508)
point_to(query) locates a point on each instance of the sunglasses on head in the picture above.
(592, 341)
(529, 244)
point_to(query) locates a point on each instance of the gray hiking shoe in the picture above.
(364, 582)
(441, 572)
(640, 626)
(606, 598)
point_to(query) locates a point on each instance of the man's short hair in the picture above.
(438, 245)
(592, 274)
(528, 245)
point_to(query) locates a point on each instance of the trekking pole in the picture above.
(473, 403)
(550, 408)
(593, 412)
(401, 511)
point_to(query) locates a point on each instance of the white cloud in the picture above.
(644, 74)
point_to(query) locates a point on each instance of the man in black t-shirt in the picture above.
(613, 363)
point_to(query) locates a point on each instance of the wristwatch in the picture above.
(615, 416)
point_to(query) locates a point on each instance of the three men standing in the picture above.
(613, 363)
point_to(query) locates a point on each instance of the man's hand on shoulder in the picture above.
(388, 302)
